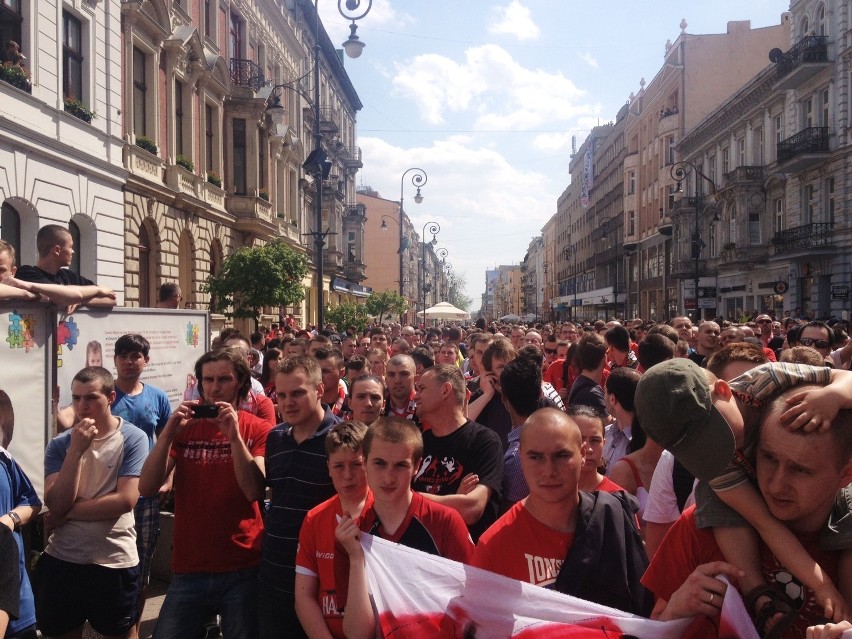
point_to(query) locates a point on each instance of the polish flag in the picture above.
(421, 595)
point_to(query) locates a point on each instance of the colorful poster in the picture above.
(26, 377)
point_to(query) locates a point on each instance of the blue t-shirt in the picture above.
(16, 490)
(149, 410)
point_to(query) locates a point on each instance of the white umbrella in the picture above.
(445, 310)
(511, 317)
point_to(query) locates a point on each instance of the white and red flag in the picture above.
(421, 595)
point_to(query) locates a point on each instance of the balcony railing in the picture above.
(813, 139)
(247, 74)
(809, 49)
(744, 174)
(803, 238)
(686, 203)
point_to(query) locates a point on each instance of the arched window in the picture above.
(185, 268)
(75, 236)
(215, 266)
(10, 227)
(145, 299)
(804, 27)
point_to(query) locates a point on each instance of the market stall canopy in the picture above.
(445, 310)
(511, 317)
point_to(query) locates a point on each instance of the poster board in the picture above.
(178, 338)
(27, 375)
(40, 351)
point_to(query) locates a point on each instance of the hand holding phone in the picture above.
(205, 411)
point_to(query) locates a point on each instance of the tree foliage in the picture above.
(457, 294)
(346, 315)
(255, 277)
(386, 302)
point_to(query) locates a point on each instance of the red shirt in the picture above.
(315, 557)
(216, 528)
(521, 547)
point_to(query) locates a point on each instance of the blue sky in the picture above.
(486, 96)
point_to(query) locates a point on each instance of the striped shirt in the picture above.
(298, 475)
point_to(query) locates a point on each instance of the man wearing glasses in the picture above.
(764, 325)
(819, 336)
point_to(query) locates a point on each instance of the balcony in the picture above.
(631, 241)
(664, 226)
(352, 157)
(246, 74)
(685, 269)
(214, 196)
(686, 203)
(669, 121)
(329, 118)
(355, 271)
(808, 237)
(744, 175)
(804, 149)
(182, 181)
(143, 164)
(807, 58)
(252, 215)
(742, 255)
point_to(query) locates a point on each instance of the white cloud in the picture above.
(514, 19)
(589, 59)
(489, 83)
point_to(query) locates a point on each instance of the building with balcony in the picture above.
(61, 132)
(508, 291)
(534, 269)
(688, 87)
(776, 240)
(215, 154)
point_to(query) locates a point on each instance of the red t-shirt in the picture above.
(315, 557)
(519, 546)
(216, 528)
(608, 486)
(686, 547)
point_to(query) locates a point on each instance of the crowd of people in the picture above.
(626, 463)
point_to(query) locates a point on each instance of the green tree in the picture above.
(386, 302)
(255, 277)
(457, 294)
(346, 315)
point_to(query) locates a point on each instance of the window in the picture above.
(741, 152)
(670, 149)
(209, 19)
(778, 127)
(808, 112)
(235, 40)
(759, 153)
(261, 159)
(351, 247)
(72, 57)
(10, 21)
(807, 204)
(829, 203)
(826, 104)
(779, 214)
(726, 160)
(145, 262)
(754, 229)
(631, 223)
(140, 91)
(240, 168)
(820, 21)
(209, 156)
(179, 147)
(631, 183)
(804, 27)
(75, 237)
(711, 164)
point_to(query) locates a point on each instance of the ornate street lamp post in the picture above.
(434, 228)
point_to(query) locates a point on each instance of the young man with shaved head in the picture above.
(583, 544)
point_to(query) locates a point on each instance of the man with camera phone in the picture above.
(217, 452)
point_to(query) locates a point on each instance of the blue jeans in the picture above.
(193, 597)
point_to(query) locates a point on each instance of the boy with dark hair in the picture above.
(90, 567)
(393, 450)
(316, 594)
(591, 359)
(148, 408)
(424, 358)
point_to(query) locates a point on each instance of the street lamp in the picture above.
(434, 228)
(545, 267)
(571, 250)
(317, 162)
(418, 179)
(678, 172)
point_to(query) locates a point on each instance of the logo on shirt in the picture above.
(543, 570)
(436, 473)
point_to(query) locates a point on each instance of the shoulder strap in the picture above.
(682, 480)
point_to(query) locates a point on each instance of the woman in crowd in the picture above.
(592, 426)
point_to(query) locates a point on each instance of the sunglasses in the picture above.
(816, 343)
(550, 351)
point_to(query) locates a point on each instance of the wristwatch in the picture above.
(16, 519)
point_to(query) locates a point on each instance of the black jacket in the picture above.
(607, 558)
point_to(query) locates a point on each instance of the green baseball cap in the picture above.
(675, 409)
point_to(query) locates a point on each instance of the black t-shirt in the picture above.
(697, 357)
(472, 448)
(587, 392)
(496, 417)
(10, 577)
(63, 277)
